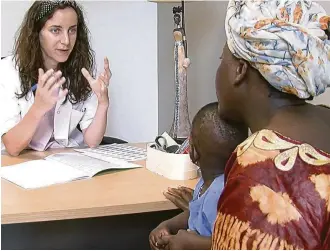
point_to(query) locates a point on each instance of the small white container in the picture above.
(170, 165)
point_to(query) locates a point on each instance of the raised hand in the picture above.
(48, 90)
(101, 83)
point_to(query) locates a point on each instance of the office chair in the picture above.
(106, 140)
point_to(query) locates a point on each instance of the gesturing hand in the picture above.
(101, 83)
(48, 88)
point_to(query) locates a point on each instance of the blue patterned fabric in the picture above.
(285, 40)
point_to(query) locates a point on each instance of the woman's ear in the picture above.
(241, 72)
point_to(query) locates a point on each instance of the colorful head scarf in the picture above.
(285, 40)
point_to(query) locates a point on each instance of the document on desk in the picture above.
(59, 168)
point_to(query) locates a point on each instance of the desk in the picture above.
(128, 192)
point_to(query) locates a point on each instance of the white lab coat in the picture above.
(67, 116)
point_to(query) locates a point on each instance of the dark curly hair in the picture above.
(28, 56)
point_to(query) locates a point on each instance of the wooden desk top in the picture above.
(123, 192)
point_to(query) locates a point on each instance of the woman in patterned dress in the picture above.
(277, 182)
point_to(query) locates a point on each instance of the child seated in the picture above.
(211, 143)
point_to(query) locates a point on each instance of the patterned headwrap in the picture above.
(47, 7)
(285, 40)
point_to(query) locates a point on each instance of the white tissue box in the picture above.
(170, 165)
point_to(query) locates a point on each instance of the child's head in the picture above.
(212, 139)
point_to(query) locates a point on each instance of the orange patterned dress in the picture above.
(277, 196)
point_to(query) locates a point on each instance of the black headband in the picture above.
(48, 6)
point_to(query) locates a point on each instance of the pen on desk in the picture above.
(184, 148)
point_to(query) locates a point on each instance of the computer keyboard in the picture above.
(115, 151)
(88, 164)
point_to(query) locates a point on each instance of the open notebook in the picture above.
(59, 168)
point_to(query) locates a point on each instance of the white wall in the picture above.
(205, 41)
(126, 32)
(166, 86)
(206, 37)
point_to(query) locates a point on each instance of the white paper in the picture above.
(87, 164)
(40, 173)
(59, 168)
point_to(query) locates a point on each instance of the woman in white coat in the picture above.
(46, 87)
